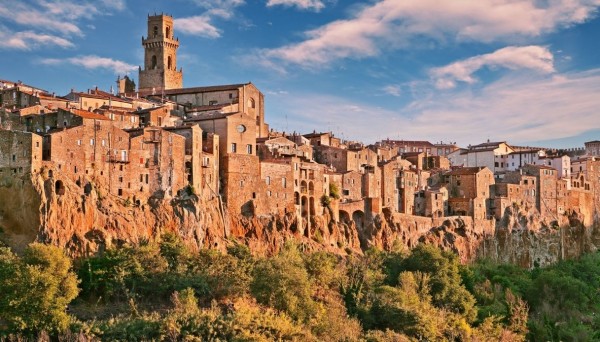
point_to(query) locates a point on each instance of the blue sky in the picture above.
(464, 71)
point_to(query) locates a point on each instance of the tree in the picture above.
(283, 283)
(447, 290)
(36, 289)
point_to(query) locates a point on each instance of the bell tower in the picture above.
(160, 56)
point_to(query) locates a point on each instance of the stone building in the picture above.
(94, 99)
(392, 187)
(341, 159)
(160, 57)
(592, 148)
(157, 162)
(20, 153)
(546, 178)
(421, 146)
(323, 139)
(469, 190)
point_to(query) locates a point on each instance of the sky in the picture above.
(464, 71)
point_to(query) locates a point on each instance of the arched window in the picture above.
(251, 103)
(153, 62)
(155, 31)
(168, 32)
(169, 62)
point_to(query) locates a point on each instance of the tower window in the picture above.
(155, 31)
(168, 32)
(154, 62)
(169, 61)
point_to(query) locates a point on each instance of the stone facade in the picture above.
(20, 153)
(592, 148)
(160, 57)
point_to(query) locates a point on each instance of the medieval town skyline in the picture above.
(463, 72)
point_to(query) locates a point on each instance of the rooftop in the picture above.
(465, 171)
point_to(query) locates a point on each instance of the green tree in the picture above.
(36, 289)
(447, 290)
(283, 283)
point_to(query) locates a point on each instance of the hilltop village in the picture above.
(162, 140)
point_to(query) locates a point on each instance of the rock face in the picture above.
(85, 221)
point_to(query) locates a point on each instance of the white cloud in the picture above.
(517, 108)
(532, 57)
(28, 40)
(392, 89)
(400, 23)
(197, 26)
(94, 62)
(315, 5)
(201, 25)
(55, 22)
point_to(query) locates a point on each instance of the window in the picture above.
(284, 182)
(268, 180)
(14, 157)
(155, 31)
(249, 148)
(496, 164)
(154, 62)
(233, 147)
(79, 142)
(169, 62)
(168, 32)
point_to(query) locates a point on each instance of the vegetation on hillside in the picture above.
(165, 292)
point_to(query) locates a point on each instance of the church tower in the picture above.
(160, 57)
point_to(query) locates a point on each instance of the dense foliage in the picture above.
(164, 291)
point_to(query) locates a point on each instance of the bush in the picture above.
(36, 290)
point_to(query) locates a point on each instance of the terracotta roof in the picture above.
(202, 89)
(103, 97)
(465, 171)
(525, 152)
(315, 134)
(207, 107)
(535, 166)
(489, 144)
(208, 116)
(88, 115)
(147, 110)
(409, 143)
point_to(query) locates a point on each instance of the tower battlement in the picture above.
(160, 56)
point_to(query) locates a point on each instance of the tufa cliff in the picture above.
(87, 220)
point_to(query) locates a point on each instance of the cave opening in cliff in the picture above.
(59, 187)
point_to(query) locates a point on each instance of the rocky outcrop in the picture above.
(87, 220)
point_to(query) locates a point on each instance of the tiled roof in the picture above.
(465, 171)
(88, 115)
(208, 116)
(199, 89)
(207, 107)
(489, 144)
